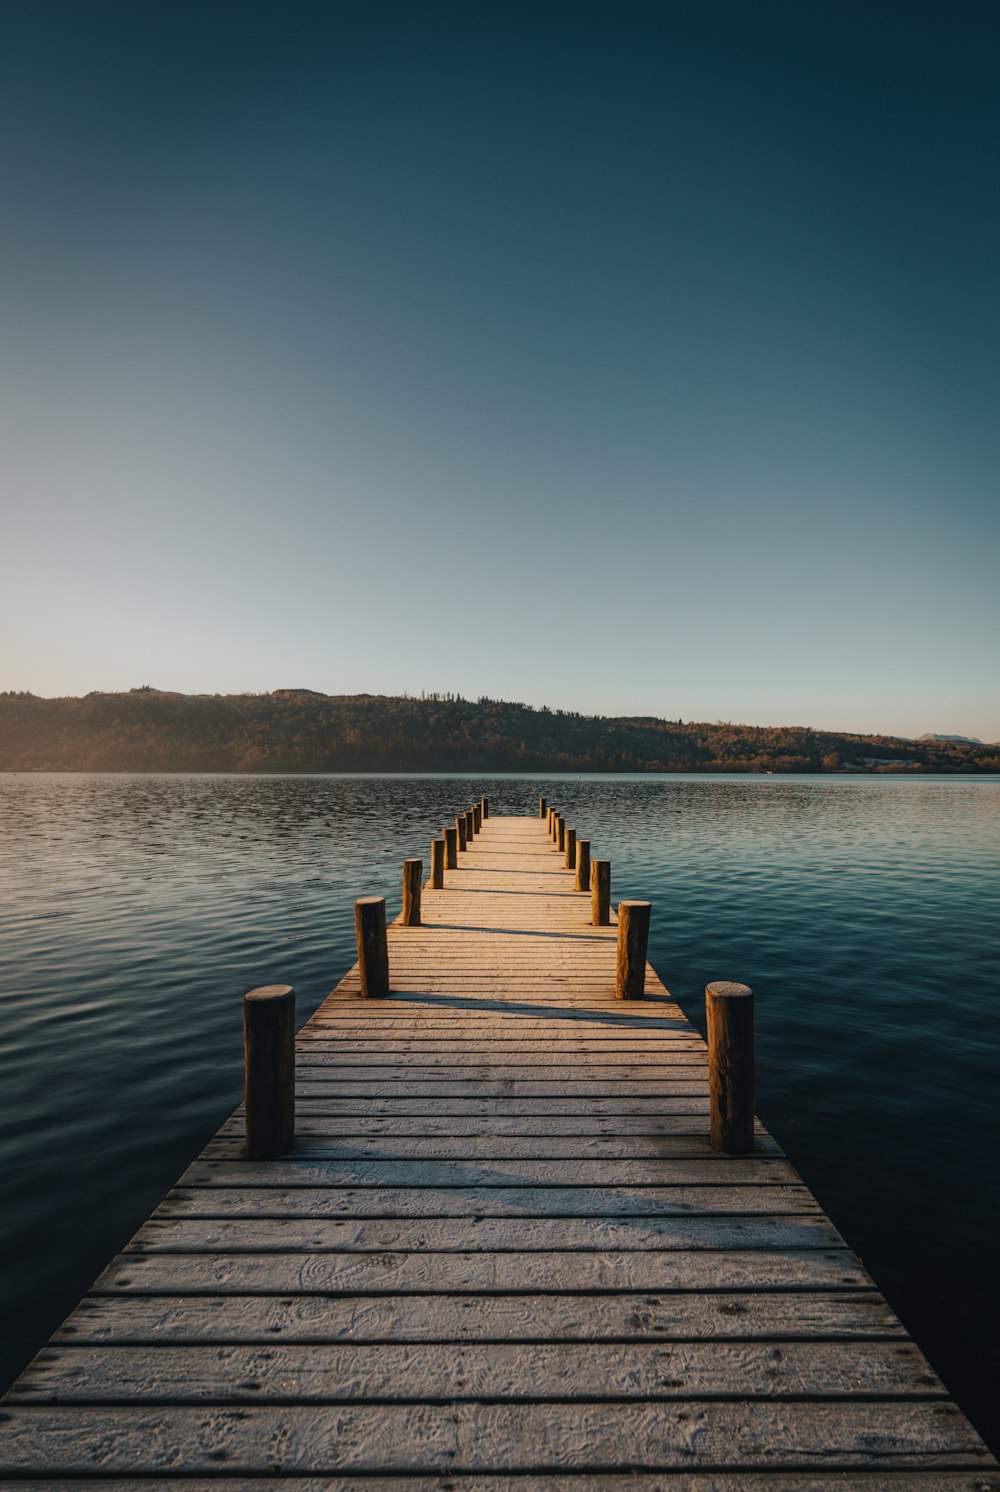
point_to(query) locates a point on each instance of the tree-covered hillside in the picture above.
(297, 730)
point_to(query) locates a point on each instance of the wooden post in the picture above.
(583, 865)
(486, 808)
(437, 863)
(477, 817)
(600, 892)
(373, 949)
(542, 805)
(462, 831)
(450, 847)
(570, 849)
(269, 1070)
(729, 1009)
(550, 820)
(413, 874)
(633, 941)
(470, 826)
(561, 832)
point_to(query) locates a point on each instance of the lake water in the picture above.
(863, 911)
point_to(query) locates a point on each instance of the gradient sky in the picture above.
(633, 358)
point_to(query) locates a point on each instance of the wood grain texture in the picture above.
(419, 1437)
(870, 1480)
(502, 1253)
(642, 1316)
(355, 1372)
(487, 1201)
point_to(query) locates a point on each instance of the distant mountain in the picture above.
(298, 730)
(968, 740)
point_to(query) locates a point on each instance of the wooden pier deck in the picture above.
(502, 1254)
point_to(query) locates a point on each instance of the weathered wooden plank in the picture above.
(312, 1122)
(500, 1048)
(652, 1082)
(389, 1273)
(472, 1437)
(317, 1097)
(687, 1117)
(415, 1202)
(414, 1057)
(673, 1316)
(341, 1165)
(305, 1170)
(352, 1373)
(479, 1151)
(475, 1233)
(450, 1020)
(871, 1480)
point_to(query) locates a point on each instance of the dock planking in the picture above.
(501, 1254)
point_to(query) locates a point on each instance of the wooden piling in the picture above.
(463, 833)
(470, 826)
(570, 849)
(486, 808)
(561, 832)
(583, 865)
(542, 806)
(437, 864)
(268, 1071)
(633, 943)
(477, 817)
(550, 821)
(729, 1012)
(450, 847)
(373, 948)
(413, 874)
(600, 892)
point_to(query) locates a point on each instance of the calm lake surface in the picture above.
(863, 911)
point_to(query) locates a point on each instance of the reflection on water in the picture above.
(138, 909)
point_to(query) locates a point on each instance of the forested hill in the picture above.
(296, 730)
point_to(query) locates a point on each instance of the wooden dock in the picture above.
(501, 1254)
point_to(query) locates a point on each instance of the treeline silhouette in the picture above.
(297, 730)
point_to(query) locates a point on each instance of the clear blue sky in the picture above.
(631, 358)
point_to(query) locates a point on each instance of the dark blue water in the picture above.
(863, 911)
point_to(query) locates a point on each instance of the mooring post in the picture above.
(413, 874)
(729, 1012)
(570, 849)
(450, 847)
(633, 941)
(550, 820)
(437, 864)
(268, 1070)
(600, 892)
(477, 817)
(542, 805)
(463, 833)
(373, 947)
(561, 832)
(486, 808)
(470, 825)
(583, 865)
